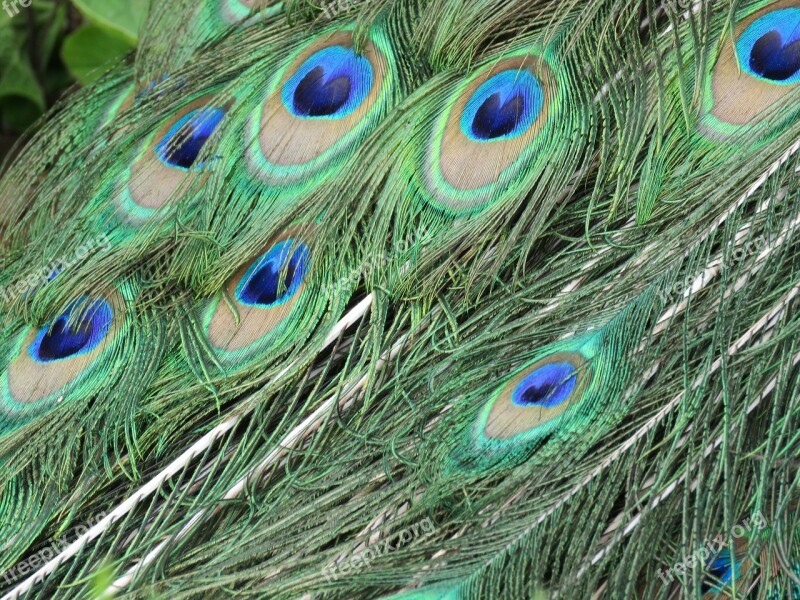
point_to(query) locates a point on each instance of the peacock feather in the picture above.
(762, 66)
(420, 299)
(737, 105)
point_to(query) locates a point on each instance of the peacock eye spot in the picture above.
(546, 387)
(718, 572)
(318, 95)
(275, 277)
(66, 337)
(330, 84)
(497, 117)
(774, 59)
(182, 145)
(770, 47)
(504, 107)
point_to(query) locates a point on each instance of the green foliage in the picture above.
(29, 71)
(89, 49)
(121, 17)
(51, 44)
(112, 32)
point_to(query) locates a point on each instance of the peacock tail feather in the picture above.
(410, 299)
(722, 105)
(173, 33)
(361, 518)
(80, 372)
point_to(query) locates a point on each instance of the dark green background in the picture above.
(52, 45)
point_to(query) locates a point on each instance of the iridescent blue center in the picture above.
(720, 572)
(275, 277)
(770, 47)
(504, 107)
(182, 145)
(546, 387)
(72, 335)
(330, 84)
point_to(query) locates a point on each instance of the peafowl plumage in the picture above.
(410, 299)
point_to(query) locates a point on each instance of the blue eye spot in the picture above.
(275, 277)
(318, 96)
(546, 387)
(65, 339)
(504, 107)
(330, 84)
(770, 47)
(182, 145)
(720, 572)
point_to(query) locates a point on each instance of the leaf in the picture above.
(90, 51)
(51, 26)
(10, 41)
(22, 99)
(17, 78)
(123, 17)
